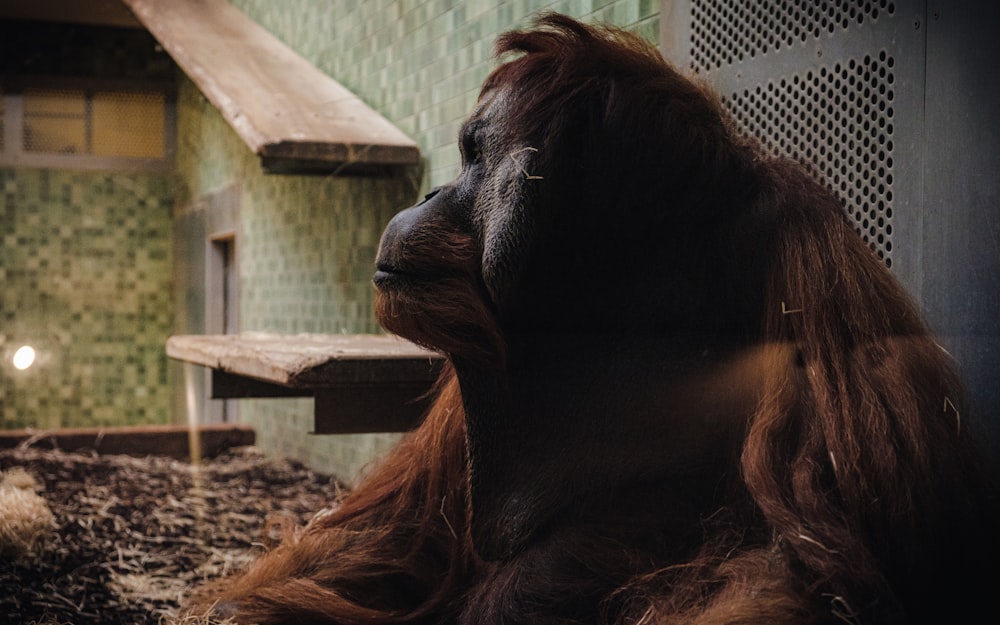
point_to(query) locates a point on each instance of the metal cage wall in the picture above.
(891, 104)
(828, 83)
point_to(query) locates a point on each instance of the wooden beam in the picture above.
(145, 440)
(292, 115)
(365, 409)
(227, 385)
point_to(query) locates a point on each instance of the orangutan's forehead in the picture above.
(488, 119)
(490, 103)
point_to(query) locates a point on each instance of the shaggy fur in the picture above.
(681, 389)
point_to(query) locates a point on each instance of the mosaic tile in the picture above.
(86, 280)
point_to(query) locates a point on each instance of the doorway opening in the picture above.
(221, 309)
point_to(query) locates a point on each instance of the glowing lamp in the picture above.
(24, 357)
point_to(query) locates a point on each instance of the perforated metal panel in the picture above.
(892, 104)
(838, 122)
(726, 31)
(826, 83)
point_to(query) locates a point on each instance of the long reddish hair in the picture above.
(394, 550)
(858, 495)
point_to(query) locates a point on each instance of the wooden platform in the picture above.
(292, 115)
(142, 440)
(361, 383)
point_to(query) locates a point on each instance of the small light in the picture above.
(24, 357)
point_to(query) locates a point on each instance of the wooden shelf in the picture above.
(361, 383)
(293, 116)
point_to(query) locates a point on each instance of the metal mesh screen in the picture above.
(839, 122)
(836, 117)
(892, 104)
(101, 123)
(727, 31)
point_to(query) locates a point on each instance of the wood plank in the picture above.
(365, 409)
(227, 385)
(291, 114)
(310, 361)
(360, 383)
(144, 440)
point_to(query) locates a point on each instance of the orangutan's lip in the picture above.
(390, 277)
(384, 278)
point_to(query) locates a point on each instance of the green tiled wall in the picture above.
(85, 279)
(85, 261)
(305, 249)
(306, 245)
(420, 62)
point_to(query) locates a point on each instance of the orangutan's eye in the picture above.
(471, 152)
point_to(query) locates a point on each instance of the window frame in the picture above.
(13, 154)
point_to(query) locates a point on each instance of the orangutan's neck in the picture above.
(576, 418)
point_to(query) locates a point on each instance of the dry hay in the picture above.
(133, 536)
(26, 522)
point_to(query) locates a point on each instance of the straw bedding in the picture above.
(88, 539)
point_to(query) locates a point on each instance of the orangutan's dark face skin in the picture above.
(487, 206)
(447, 276)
